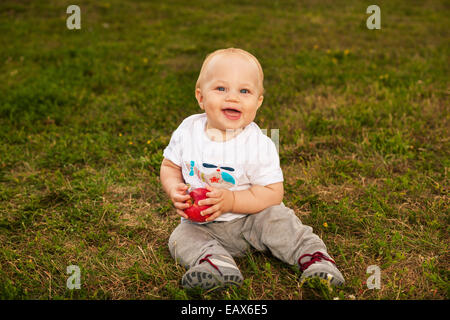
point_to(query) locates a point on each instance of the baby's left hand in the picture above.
(221, 200)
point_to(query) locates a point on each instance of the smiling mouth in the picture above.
(232, 114)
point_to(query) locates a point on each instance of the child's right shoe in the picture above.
(320, 265)
(215, 273)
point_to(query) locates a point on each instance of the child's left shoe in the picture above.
(320, 265)
(215, 273)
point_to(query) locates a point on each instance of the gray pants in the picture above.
(276, 229)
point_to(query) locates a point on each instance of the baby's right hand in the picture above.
(178, 197)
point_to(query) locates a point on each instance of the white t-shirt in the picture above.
(250, 158)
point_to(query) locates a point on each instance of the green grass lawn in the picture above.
(363, 118)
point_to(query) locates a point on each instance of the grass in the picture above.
(85, 115)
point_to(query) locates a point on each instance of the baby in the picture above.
(224, 151)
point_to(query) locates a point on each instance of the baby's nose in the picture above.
(232, 96)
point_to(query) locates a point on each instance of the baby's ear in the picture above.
(260, 100)
(199, 97)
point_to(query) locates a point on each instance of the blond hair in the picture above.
(248, 55)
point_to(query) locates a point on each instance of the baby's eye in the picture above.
(245, 91)
(220, 88)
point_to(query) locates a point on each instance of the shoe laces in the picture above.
(315, 257)
(206, 258)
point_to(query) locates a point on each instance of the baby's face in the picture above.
(230, 92)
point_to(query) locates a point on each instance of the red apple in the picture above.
(194, 210)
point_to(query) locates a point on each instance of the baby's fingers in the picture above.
(181, 197)
(181, 213)
(208, 202)
(181, 205)
(212, 191)
(181, 187)
(214, 216)
(210, 210)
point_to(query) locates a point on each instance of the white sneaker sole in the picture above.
(207, 280)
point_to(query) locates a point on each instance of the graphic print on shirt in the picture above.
(214, 175)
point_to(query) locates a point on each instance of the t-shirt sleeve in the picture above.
(173, 150)
(266, 169)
